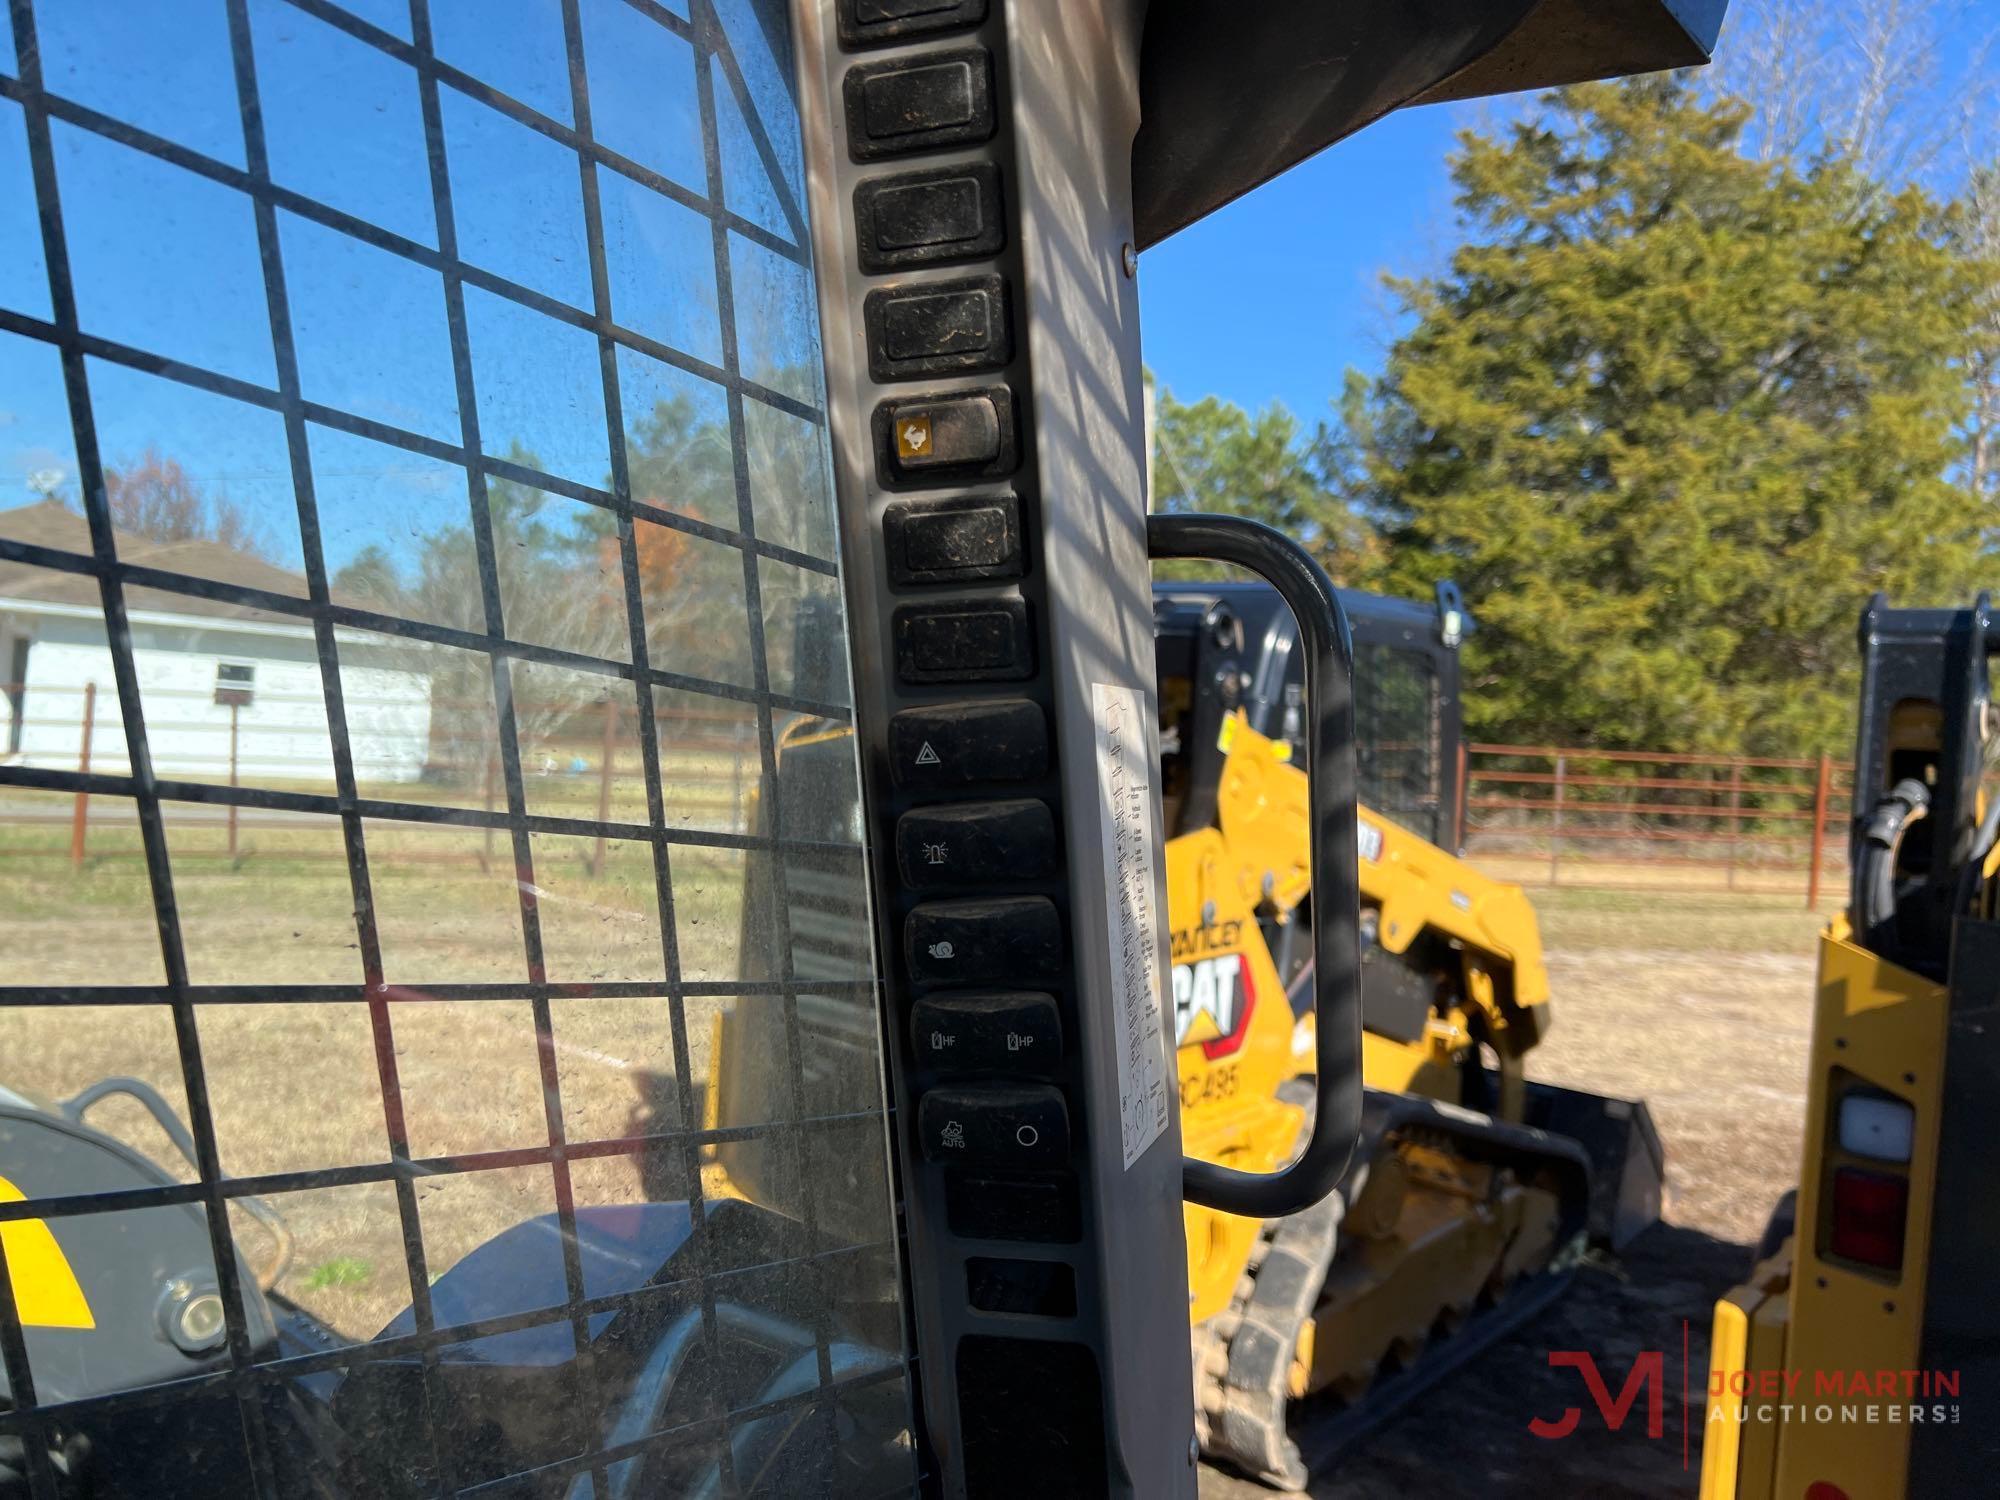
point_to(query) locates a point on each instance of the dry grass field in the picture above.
(294, 1086)
(1696, 1001)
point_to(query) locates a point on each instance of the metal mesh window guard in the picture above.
(438, 1039)
(1396, 713)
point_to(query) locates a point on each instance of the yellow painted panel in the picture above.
(1757, 1464)
(46, 1293)
(1722, 1433)
(1886, 1026)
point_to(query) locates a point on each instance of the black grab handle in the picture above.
(1336, 879)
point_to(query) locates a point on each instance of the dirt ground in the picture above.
(1701, 1005)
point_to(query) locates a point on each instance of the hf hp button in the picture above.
(1013, 1032)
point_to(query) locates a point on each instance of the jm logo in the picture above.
(1648, 1371)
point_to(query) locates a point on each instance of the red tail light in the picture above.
(1825, 1489)
(1868, 1214)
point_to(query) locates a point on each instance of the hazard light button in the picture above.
(949, 745)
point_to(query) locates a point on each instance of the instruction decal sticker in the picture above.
(1131, 863)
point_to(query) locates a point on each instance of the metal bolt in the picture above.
(1129, 258)
(1194, 1443)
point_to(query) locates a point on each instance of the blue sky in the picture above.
(1271, 299)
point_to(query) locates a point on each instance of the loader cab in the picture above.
(1224, 647)
(685, 527)
(1881, 1257)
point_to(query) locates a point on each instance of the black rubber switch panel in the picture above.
(976, 843)
(997, 1033)
(876, 23)
(954, 437)
(954, 540)
(937, 328)
(929, 218)
(967, 640)
(1005, 940)
(1023, 1126)
(921, 103)
(961, 744)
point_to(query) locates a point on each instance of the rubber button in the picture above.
(876, 23)
(962, 744)
(938, 328)
(929, 218)
(1023, 1126)
(954, 540)
(922, 103)
(999, 1033)
(971, 640)
(947, 438)
(1010, 940)
(976, 843)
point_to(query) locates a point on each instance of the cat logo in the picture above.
(1213, 998)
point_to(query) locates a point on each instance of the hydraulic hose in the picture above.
(1982, 846)
(1881, 836)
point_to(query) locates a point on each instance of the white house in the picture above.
(216, 679)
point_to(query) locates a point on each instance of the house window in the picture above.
(235, 683)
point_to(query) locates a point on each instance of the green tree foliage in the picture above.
(1213, 456)
(1670, 415)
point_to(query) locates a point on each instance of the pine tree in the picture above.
(1670, 415)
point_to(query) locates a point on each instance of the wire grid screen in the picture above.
(429, 824)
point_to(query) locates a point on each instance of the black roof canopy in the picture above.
(1235, 91)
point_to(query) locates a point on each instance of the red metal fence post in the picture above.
(1820, 790)
(1735, 817)
(1556, 821)
(80, 818)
